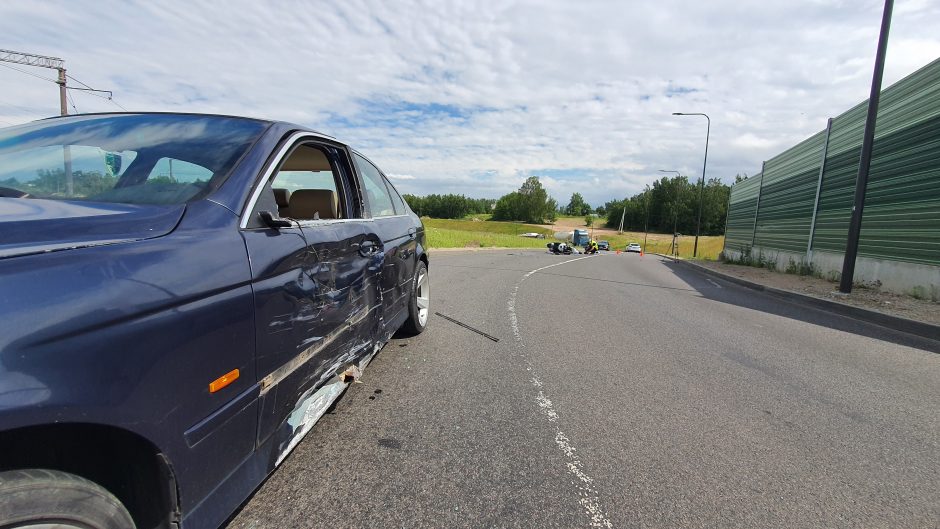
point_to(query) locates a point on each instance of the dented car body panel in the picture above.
(125, 315)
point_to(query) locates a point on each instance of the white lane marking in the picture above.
(712, 282)
(551, 265)
(587, 494)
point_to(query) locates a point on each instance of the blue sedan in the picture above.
(183, 297)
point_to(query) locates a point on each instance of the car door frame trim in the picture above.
(272, 166)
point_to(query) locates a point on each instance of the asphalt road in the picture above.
(624, 391)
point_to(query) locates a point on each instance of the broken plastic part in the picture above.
(352, 374)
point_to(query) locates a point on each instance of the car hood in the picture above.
(30, 226)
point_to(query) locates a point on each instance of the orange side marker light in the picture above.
(223, 381)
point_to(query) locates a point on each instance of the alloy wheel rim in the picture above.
(424, 298)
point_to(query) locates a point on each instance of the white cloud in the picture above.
(472, 97)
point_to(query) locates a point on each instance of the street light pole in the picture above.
(701, 189)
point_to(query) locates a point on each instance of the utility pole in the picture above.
(42, 61)
(63, 98)
(55, 63)
(868, 141)
(646, 226)
(675, 207)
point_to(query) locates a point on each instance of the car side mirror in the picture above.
(272, 221)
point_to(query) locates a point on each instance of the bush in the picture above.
(801, 268)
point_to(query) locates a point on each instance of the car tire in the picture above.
(419, 305)
(50, 498)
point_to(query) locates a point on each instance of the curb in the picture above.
(917, 328)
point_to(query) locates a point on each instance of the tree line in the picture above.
(530, 203)
(448, 206)
(54, 183)
(669, 204)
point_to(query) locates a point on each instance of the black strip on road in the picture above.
(465, 326)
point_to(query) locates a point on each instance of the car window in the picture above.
(178, 171)
(124, 158)
(380, 202)
(41, 171)
(307, 186)
(397, 201)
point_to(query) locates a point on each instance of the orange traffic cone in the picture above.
(641, 253)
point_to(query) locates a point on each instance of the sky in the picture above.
(474, 97)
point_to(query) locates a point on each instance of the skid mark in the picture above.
(583, 483)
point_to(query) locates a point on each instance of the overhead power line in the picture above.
(72, 101)
(44, 61)
(28, 73)
(88, 89)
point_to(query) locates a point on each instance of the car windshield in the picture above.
(133, 158)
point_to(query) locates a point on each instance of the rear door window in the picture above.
(377, 194)
(397, 201)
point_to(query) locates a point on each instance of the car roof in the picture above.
(280, 124)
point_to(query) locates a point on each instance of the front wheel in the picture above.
(419, 305)
(50, 498)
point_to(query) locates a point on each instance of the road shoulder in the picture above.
(858, 310)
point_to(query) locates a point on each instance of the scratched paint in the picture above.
(310, 409)
(316, 344)
(583, 483)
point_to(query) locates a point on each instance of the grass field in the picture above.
(446, 233)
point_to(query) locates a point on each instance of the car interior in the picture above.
(307, 186)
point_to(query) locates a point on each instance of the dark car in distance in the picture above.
(183, 296)
(603, 245)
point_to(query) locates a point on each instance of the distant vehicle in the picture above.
(634, 247)
(579, 237)
(603, 245)
(183, 297)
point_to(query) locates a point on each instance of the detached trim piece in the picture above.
(465, 326)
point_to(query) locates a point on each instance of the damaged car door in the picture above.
(315, 264)
(398, 236)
